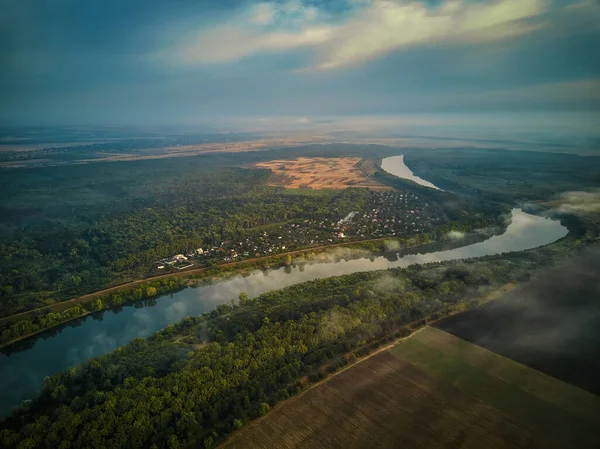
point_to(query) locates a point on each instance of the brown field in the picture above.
(432, 390)
(319, 173)
(156, 153)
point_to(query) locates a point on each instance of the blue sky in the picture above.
(185, 61)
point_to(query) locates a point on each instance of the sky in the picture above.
(72, 62)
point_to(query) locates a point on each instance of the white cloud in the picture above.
(263, 13)
(230, 43)
(389, 25)
(373, 28)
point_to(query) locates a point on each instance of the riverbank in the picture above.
(20, 326)
(69, 345)
(194, 277)
(450, 287)
(40, 321)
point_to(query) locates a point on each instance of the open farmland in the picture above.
(432, 390)
(319, 173)
(550, 323)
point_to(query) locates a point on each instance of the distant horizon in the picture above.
(194, 61)
(262, 123)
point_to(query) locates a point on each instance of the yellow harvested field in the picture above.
(316, 172)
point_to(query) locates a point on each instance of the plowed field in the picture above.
(431, 391)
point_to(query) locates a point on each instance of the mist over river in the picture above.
(22, 372)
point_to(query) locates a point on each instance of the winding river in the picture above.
(23, 371)
(395, 165)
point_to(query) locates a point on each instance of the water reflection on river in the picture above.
(395, 165)
(22, 372)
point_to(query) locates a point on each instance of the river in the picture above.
(395, 165)
(22, 372)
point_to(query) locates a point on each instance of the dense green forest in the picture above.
(505, 175)
(198, 380)
(71, 230)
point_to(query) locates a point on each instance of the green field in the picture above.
(556, 409)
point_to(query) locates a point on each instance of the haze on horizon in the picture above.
(299, 63)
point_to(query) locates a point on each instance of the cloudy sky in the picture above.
(181, 61)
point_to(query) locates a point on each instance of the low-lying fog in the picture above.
(551, 323)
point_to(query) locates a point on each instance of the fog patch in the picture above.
(392, 245)
(582, 202)
(388, 283)
(551, 323)
(339, 254)
(559, 306)
(335, 323)
(176, 311)
(455, 235)
(100, 343)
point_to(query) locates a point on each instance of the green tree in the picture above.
(264, 408)
(137, 294)
(244, 299)
(173, 442)
(98, 305)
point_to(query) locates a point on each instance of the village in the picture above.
(385, 214)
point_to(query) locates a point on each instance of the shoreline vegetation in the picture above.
(197, 381)
(28, 324)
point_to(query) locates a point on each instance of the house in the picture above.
(179, 257)
(199, 251)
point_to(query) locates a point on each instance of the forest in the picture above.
(76, 229)
(41, 320)
(501, 175)
(70, 230)
(195, 382)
